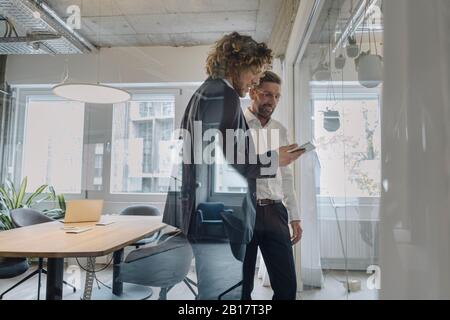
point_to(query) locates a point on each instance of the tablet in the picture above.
(307, 147)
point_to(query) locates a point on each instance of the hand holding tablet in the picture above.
(307, 147)
(289, 154)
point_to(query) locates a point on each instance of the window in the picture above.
(120, 153)
(142, 144)
(226, 179)
(53, 150)
(349, 135)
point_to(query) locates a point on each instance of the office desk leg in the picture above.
(55, 272)
(117, 288)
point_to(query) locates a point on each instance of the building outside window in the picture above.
(141, 145)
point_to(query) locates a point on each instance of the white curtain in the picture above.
(415, 216)
(311, 269)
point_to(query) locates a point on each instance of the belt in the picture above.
(267, 202)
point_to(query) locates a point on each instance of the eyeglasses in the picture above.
(268, 95)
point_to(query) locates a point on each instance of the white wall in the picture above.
(113, 65)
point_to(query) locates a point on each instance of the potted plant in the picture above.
(370, 69)
(11, 199)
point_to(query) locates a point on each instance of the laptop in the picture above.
(83, 211)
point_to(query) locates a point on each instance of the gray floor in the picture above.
(333, 288)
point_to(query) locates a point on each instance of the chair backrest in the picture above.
(211, 210)
(163, 265)
(27, 217)
(141, 211)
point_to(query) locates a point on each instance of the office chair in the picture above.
(210, 221)
(163, 265)
(141, 210)
(24, 217)
(13, 267)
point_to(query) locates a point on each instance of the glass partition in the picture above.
(338, 97)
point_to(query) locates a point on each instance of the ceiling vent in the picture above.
(39, 30)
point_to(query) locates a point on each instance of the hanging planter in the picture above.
(339, 62)
(370, 69)
(331, 120)
(369, 66)
(352, 48)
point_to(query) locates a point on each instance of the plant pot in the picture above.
(352, 51)
(331, 121)
(370, 69)
(339, 62)
(322, 72)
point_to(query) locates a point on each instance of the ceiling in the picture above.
(112, 23)
(334, 18)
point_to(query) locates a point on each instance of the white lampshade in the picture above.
(91, 93)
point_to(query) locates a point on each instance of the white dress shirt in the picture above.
(271, 137)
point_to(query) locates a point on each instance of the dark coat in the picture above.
(217, 106)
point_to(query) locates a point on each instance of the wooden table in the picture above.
(48, 240)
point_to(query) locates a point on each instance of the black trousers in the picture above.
(272, 236)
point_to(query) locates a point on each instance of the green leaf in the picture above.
(54, 213)
(6, 198)
(35, 194)
(3, 203)
(6, 222)
(53, 192)
(21, 193)
(49, 197)
(11, 191)
(62, 202)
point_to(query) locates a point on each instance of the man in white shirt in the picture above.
(276, 199)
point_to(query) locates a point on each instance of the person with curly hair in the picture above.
(234, 66)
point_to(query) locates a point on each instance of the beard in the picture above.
(265, 111)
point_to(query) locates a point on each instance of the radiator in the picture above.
(360, 240)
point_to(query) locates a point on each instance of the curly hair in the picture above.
(235, 53)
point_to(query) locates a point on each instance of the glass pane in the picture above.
(53, 150)
(352, 153)
(142, 145)
(339, 87)
(97, 180)
(226, 179)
